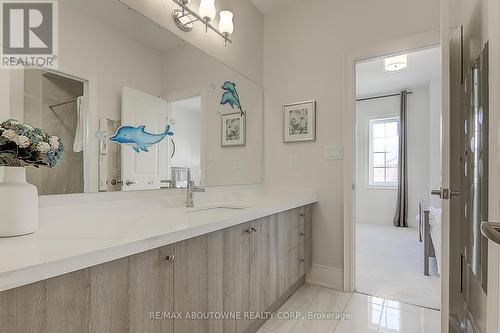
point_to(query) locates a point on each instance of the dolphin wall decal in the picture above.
(231, 97)
(138, 138)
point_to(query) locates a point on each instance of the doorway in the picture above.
(398, 163)
(185, 118)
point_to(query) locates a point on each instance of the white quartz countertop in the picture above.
(77, 236)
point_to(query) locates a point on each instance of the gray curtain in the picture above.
(401, 216)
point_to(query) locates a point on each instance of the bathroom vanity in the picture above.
(129, 259)
(135, 272)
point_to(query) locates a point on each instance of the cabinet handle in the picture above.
(170, 258)
(252, 229)
(248, 230)
(302, 234)
(301, 260)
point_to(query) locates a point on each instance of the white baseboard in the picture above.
(326, 276)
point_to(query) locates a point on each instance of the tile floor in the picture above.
(367, 314)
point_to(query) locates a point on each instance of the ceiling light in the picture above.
(396, 63)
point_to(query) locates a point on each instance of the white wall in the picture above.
(244, 54)
(375, 205)
(305, 50)
(221, 165)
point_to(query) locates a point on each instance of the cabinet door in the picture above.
(109, 297)
(264, 264)
(190, 286)
(60, 304)
(151, 290)
(236, 274)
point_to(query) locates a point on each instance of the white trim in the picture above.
(91, 124)
(409, 43)
(185, 94)
(326, 276)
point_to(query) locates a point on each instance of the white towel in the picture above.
(78, 144)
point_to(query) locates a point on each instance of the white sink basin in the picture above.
(215, 208)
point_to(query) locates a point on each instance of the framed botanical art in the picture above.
(299, 122)
(233, 129)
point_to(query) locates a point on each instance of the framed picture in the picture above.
(233, 129)
(299, 122)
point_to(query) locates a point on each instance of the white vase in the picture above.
(18, 203)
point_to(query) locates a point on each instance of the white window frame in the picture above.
(369, 165)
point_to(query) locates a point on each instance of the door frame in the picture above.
(90, 145)
(409, 43)
(184, 94)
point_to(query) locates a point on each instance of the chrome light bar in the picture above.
(185, 17)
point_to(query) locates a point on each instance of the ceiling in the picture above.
(270, 6)
(423, 66)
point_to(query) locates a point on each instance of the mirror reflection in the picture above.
(136, 107)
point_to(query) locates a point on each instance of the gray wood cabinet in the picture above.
(250, 267)
(150, 290)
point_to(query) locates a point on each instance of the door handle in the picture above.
(446, 193)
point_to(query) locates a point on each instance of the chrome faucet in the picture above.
(190, 190)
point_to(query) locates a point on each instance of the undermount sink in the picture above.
(216, 208)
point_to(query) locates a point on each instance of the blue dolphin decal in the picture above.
(231, 97)
(138, 137)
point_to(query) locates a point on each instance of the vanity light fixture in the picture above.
(185, 17)
(396, 63)
(226, 25)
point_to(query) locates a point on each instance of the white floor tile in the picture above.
(323, 313)
(395, 320)
(289, 314)
(364, 317)
(264, 330)
(368, 298)
(431, 321)
(403, 306)
(366, 314)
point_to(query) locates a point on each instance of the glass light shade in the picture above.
(207, 9)
(226, 25)
(396, 63)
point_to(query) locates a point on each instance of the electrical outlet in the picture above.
(333, 153)
(293, 161)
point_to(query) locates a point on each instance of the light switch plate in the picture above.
(333, 153)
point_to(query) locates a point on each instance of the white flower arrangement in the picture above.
(23, 145)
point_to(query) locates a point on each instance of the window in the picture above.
(383, 152)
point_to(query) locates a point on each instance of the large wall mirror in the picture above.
(136, 107)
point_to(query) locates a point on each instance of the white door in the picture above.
(144, 170)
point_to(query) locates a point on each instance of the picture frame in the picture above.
(233, 130)
(299, 122)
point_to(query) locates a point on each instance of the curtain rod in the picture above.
(52, 106)
(382, 96)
